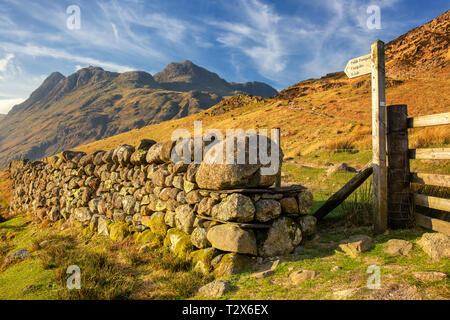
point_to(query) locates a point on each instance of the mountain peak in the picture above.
(185, 71)
(137, 79)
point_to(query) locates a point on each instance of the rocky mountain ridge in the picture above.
(93, 104)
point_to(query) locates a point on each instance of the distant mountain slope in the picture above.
(188, 76)
(420, 50)
(314, 112)
(93, 104)
(2, 116)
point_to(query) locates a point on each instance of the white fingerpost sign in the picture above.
(359, 66)
(374, 63)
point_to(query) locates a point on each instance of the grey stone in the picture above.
(154, 153)
(184, 218)
(308, 225)
(435, 245)
(267, 209)
(228, 237)
(215, 289)
(302, 275)
(82, 214)
(199, 238)
(430, 276)
(217, 175)
(281, 239)
(340, 167)
(289, 205)
(354, 245)
(102, 226)
(235, 207)
(17, 255)
(398, 247)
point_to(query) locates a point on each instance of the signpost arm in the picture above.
(379, 138)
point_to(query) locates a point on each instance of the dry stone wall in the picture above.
(138, 191)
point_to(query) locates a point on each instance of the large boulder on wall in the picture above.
(245, 168)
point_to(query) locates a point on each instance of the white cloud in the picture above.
(7, 104)
(116, 33)
(274, 41)
(35, 51)
(258, 37)
(4, 62)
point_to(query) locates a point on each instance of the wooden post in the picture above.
(278, 138)
(379, 138)
(343, 193)
(399, 197)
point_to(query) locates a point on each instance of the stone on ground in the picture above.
(354, 245)
(340, 167)
(17, 255)
(262, 274)
(430, 276)
(215, 289)
(302, 275)
(436, 245)
(398, 247)
(345, 294)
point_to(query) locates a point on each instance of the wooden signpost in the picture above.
(359, 66)
(374, 63)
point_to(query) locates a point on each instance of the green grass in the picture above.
(29, 272)
(109, 270)
(352, 272)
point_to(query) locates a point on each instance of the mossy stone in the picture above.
(150, 238)
(160, 205)
(157, 224)
(189, 186)
(231, 263)
(201, 259)
(179, 243)
(119, 231)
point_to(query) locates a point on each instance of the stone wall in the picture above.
(139, 192)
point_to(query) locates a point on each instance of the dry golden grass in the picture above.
(341, 145)
(5, 193)
(430, 137)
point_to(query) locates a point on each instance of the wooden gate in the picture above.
(401, 202)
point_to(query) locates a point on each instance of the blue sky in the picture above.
(278, 42)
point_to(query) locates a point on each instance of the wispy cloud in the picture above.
(272, 39)
(36, 51)
(4, 62)
(258, 37)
